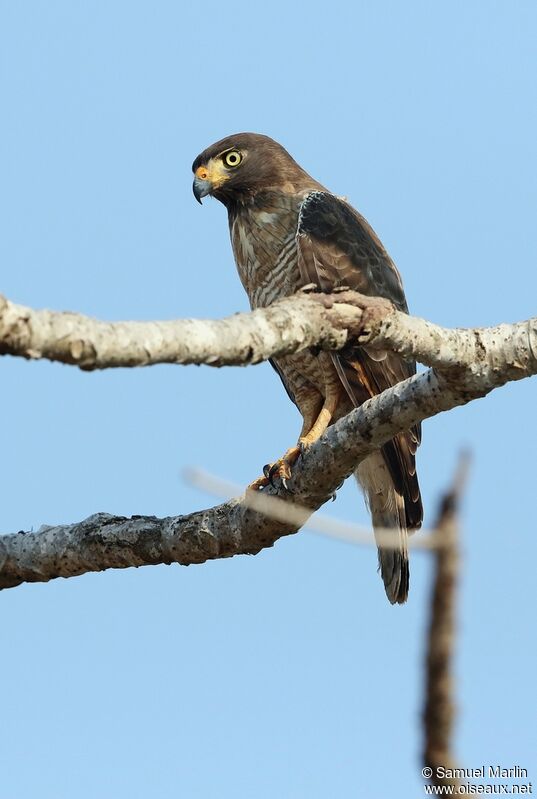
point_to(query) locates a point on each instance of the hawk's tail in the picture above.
(387, 508)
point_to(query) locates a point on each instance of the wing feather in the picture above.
(337, 247)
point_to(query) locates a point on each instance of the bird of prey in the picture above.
(287, 231)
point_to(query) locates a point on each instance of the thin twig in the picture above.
(274, 508)
(439, 709)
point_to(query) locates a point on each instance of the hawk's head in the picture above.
(237, 167)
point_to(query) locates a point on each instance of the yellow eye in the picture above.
(233, 158)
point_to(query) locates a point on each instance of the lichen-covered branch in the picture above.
(105, 541)
(468, 364)
(291, 324)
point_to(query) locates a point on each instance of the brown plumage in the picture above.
(287, 231)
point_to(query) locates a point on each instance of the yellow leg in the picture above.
(312, 429)
(323, 420)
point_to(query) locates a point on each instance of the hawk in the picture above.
(287, 231)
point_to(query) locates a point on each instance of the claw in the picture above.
(258, 484)
(280, 468)
(276, 470)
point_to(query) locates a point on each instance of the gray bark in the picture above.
(468, 364)
(290, 325)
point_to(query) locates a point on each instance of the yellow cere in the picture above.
(214, 171)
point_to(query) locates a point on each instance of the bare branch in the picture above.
(439, 711)
(291, 324)
(104, 541)
(468, 364)
(282, 511)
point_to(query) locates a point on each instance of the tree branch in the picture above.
(440, 766)
(291, 324)
(105, 541)
(469, 364)
(327, 321)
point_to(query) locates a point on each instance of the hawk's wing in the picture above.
(337, 247)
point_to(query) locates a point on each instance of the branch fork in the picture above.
(464, 365)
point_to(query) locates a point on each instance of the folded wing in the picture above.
(337, 247)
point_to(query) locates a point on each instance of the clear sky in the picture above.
(285, 675)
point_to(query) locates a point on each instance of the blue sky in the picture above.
(285, 675)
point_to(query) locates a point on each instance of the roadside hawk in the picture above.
(288, 231)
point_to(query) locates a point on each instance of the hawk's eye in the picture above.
(233, 158)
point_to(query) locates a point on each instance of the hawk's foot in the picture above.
(280, 468)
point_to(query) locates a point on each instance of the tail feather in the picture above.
(387, 508)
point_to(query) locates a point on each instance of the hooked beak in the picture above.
(201, 188)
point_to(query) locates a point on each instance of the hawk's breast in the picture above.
(264, 244)
(264, 239)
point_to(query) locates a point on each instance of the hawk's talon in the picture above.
(273, 470)
(280, 468)
(258, 485)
